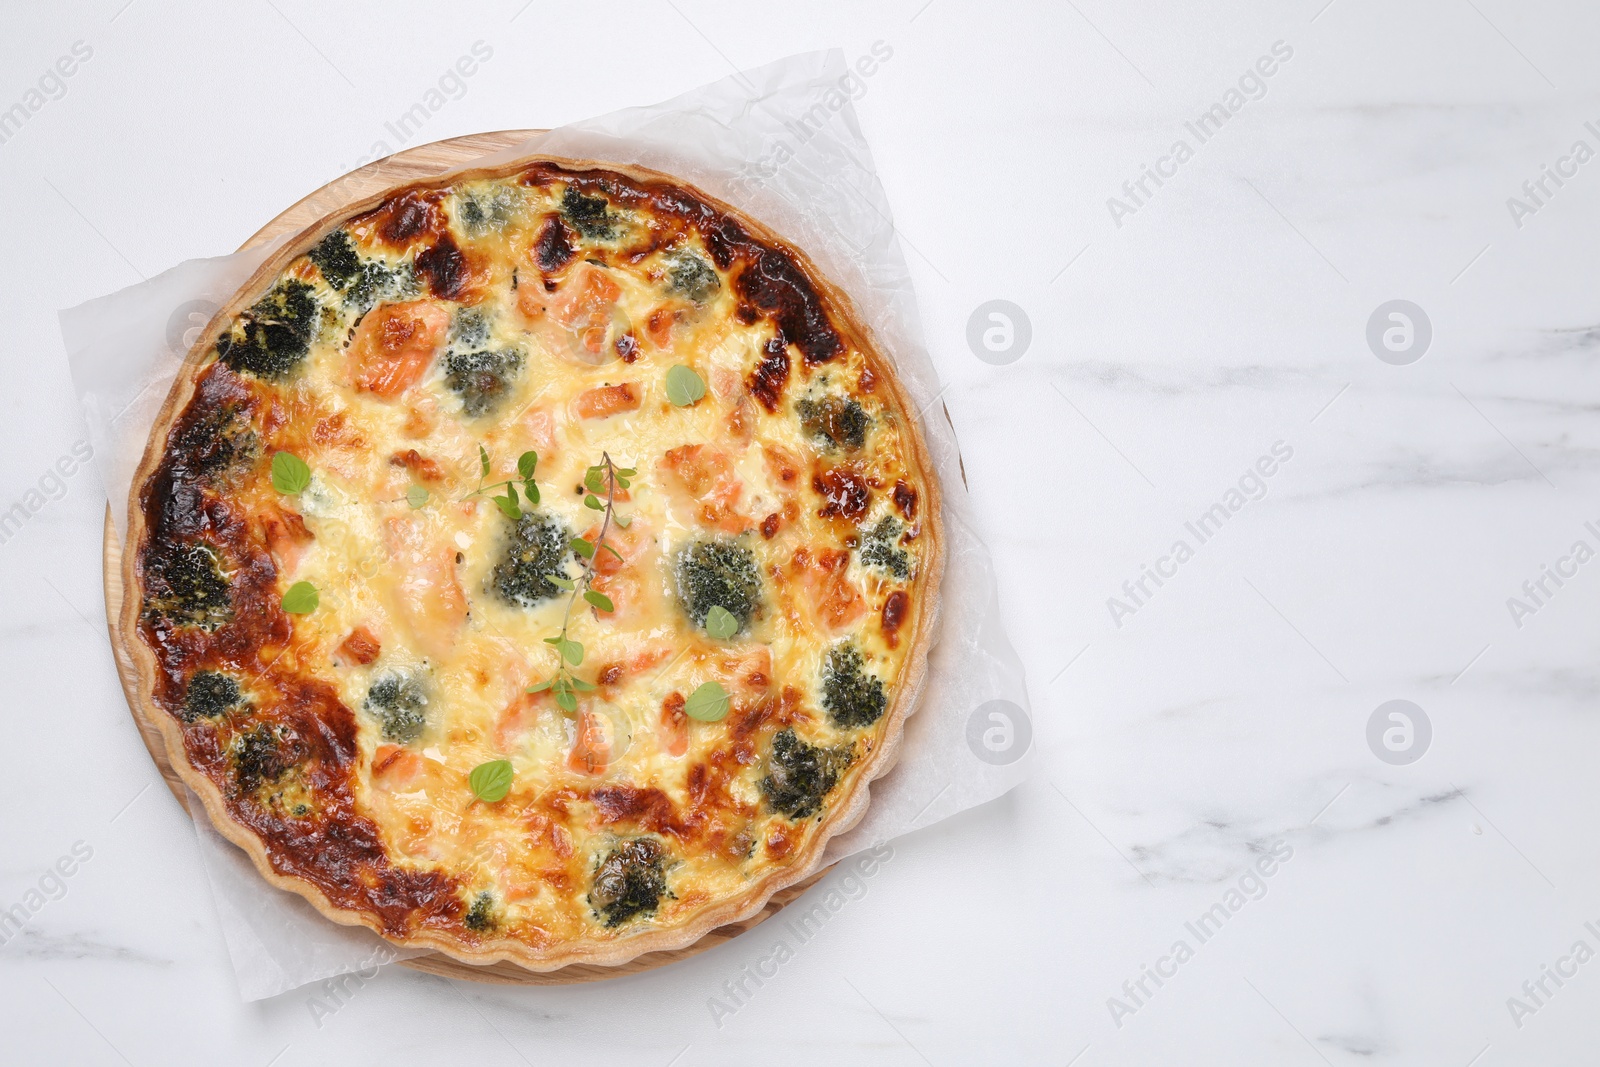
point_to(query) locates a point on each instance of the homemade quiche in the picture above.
(536, 564)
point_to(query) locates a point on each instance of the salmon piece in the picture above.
(513, 877)
(707, 477)
(741, 421)
(585, 301)
(591, 747)
(578, 316)
(518, 718)
(624, 592)
(287, 538)
(749, 670)
(425, 469)
(783, 468)
(422, 415)
(725, 383)
(629, 543)
(395, 345)
(827, 588)
(658, 327)
(606, 400)
(545, 832)
(621, 579)
(358, 649)
(649, 656)
(427, 593)
(674, 728)
(395, 768)
(539, 427)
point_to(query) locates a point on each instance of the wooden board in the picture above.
(423, 161)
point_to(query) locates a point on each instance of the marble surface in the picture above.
(1205, 777)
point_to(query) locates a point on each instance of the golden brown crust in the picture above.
(843, 813)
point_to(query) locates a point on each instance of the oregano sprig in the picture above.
(601, 480)
(507, 502)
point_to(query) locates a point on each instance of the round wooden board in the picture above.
(423, 161)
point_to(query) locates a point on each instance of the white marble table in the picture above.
(1210, 864)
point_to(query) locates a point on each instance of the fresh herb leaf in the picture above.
(483, 460)
(684, 386)
(540, 687)
(508, 506)
(571, 651)
(526, 464)
(709, 703)
(720, 623)
(491, 781)
(300, 598)
(531, 491)
(581, 685)
(583, 548)
(416, 496)
(560, 582)
(566, 701)
(613, 551)
(594, 480)
(290, 474)
(623, 521)
(599, 600)
(593, 503)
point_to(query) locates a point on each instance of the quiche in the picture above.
(535, 564)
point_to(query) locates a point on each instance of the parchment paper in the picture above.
(782, 143)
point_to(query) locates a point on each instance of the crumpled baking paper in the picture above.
(782, 143)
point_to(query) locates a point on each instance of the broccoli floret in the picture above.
(879, 547)
(210, 695)
(799, 775)
(852, 696)
(481, 379)
(337, 259)
(538, 546)
(218, 443)
(271, 337)
(480, 916)
(588, 214)
(835, 419)
(692, 277)
(186, 586)
(376, 282)
(398, 701)
(630, 881)
(718, 573)
(487, 209)
(260, 754)
(469, 328)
